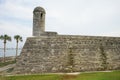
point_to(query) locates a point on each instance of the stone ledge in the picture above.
(48, 34)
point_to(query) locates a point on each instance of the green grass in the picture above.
(33, 77)
(2, 64)
(115, 75)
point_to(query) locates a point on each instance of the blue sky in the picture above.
(74, 17)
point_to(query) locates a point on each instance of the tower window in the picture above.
(41, 15)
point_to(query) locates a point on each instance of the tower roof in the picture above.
(39, 9)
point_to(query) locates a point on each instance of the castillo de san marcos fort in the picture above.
(48, 52)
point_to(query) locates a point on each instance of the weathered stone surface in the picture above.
(66, 53)
(38, 21)
(48, 34)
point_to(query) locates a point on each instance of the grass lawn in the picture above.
(115, 75)
(2, 64)
(32, 77)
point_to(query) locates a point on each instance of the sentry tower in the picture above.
(38, 21)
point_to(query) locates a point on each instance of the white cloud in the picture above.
(15, 11)
(90, 17)
(14, 29)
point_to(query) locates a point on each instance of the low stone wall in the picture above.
(68, 53)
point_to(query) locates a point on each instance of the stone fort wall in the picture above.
(69, 53)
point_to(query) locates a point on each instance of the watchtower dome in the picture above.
(38, 21)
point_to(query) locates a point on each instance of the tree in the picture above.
(5, 38)
(17, 38)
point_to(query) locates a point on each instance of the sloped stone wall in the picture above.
(68, 53)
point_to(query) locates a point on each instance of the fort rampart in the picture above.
(69, 53)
